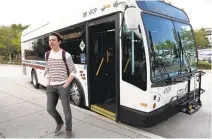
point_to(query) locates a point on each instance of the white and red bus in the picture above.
(136, 60)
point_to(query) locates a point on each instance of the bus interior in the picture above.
(102, 69)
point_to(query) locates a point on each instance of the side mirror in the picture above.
(132, 18)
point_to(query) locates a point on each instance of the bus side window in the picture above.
(39, 48)
(75, 43)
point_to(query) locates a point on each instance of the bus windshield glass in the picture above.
(162, 9)
(177, 57)
(187, 40)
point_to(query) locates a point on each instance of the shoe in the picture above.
(58, 128)
(69, 134)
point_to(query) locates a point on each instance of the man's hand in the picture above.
(68, 82)
(66, 85)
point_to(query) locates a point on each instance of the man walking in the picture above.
(59, 73)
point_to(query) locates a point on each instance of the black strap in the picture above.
(64, 59)
(47, 55)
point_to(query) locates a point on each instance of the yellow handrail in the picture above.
(126, 65)
(100, 66)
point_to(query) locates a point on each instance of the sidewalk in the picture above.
(23, 115)
(28, 118)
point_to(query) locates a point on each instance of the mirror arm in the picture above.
(139, 28)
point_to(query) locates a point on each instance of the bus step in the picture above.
(103, 112)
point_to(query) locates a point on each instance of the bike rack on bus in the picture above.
(190, 102)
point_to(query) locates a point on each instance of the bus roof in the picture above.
(94, 11)
(102, 8)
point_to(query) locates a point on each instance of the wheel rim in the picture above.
(75, 94)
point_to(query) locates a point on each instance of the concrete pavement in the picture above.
(23, 115)
(21, 118)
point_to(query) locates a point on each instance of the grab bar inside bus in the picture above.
(126, 65)
(100, 65)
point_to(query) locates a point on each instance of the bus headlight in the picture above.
(158, 99)
(154, 98)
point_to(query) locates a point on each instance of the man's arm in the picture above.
(46, 73)
(72, 70)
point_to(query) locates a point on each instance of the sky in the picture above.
(198, 11)
(40, 11)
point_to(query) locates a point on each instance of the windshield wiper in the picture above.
(183, 50)
(186, 76)
(160, 66)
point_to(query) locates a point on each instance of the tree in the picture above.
(10, 39)
(201, 38)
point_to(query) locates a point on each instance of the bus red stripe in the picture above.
(35, 66)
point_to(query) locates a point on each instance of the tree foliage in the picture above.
(10, 39)
(201, 38)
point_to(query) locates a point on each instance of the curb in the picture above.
(130, 128)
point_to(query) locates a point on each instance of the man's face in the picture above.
(53, 42)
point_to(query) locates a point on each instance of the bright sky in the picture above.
(199, 11)
(37, 11)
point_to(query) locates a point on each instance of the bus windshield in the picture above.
(187, 40)
(173, 47)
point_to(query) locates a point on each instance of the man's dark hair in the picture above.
(59, 38)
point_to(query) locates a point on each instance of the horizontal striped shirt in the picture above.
(56, 72)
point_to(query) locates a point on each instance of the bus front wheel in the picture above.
(76, 93)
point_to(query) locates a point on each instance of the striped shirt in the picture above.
(55, 72)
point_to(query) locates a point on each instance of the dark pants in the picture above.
(53, 94)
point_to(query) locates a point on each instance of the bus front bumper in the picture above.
(183, 104)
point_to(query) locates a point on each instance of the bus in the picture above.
(136, 60)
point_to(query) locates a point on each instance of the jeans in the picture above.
(53, 94)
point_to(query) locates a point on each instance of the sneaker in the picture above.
(69, 134)
(58, 128)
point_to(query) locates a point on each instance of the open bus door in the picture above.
(103, 74)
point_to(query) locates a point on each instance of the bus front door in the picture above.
(102, 68)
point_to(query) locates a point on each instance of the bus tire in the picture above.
(76, 94)
(34, 79)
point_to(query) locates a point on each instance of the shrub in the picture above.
(204, 65)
